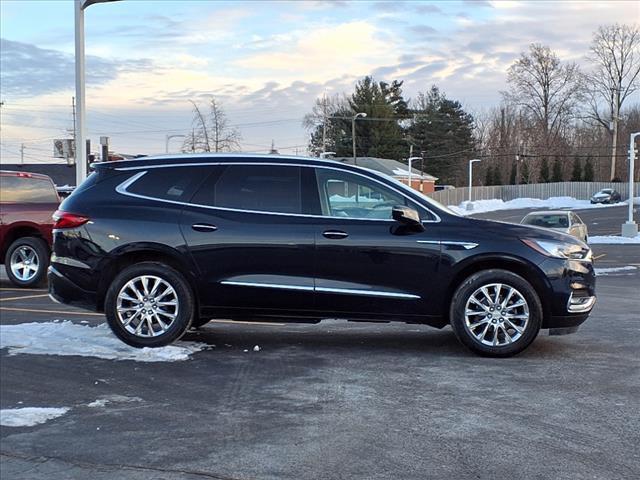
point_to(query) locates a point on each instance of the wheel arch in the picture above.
(144, 252)
(528, 271)
(14, 232)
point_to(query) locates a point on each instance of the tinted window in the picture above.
(262, 188)
(170, 183)
(343, 194)
(27, 190)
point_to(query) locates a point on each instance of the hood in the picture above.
(602, 195)
(516, 230)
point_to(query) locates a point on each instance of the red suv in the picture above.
(27, 201)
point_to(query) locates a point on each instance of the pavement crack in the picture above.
(41, 459)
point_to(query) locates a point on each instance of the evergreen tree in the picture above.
(525, 173)
(545, 176)
(513, 174)
(588, 171)
(444, 130)
(488, 177)
(576, 173)
(497, 176)
(556, 176)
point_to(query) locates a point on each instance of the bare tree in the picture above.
(545, 89)
(211, 133)
(615, 52)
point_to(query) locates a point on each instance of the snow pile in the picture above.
(610, 270)
(480, 206)
(29, 416)
(67, 338)
(615, 239)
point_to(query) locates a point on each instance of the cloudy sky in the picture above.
(265, 61)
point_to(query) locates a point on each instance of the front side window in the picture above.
(259, 188)
(343, 194)
(26, 189)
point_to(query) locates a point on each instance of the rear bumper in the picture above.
(63, 290)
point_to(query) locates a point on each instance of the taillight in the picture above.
(68, 220)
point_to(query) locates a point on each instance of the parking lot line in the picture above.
(33, 310)
(23, 289)
(23, 297)
(599, 256)
(266, 324)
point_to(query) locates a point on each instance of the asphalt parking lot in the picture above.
(336, 400)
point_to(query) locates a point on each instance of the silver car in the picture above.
(560, 220)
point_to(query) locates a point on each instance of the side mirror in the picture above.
(408, 217)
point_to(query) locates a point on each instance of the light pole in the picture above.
(80, 133)
(471, 162)
(353, 133)
(410, 162)
(169, 137)
(630, 228)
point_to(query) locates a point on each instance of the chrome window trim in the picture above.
(122, 189)
(348, 291)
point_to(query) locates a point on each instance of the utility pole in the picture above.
(73, 112)
(22, 154)
(324, 123)
(630, 228)
(193, 140)
(409, 162)
(614, 144)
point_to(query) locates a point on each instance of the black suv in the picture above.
(164, 244)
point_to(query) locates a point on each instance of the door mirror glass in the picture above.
(407, 216)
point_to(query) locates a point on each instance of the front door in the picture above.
(248, 240)
(366, 262)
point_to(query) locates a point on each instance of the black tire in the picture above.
(41, 251)
(472, 285)
(183, 295)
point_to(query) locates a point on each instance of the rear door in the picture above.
(366, 262)
(249, 240)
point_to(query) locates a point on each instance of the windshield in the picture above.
(428, 200)
(547, 221)
(606, 190)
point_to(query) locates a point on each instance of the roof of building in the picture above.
(61, 173)
(388, 166)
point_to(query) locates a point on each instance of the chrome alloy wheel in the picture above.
(24, 263)
(496, 314)
(147, 306)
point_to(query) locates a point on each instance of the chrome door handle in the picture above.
(204, 227)
(335, 234)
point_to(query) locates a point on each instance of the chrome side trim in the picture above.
(122, 189)
(370, 293)
(267, 285)
(348, 291)
(450, 243)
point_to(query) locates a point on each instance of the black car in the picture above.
(606, 195)
(164, 244)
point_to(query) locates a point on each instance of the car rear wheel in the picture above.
(496, 313)
(26, 261)
(149, 304)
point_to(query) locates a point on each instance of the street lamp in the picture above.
(80, 133)
(353, 133)
(471, 162)
(410, 162)
(169, 137)
(630, 228)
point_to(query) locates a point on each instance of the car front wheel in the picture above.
(26, 261)
(149, 304)
(496, 313)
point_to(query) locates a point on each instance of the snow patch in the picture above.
(29, 416)
(66, 338)
(615, 239)
(609, 270)
(480, 206)
(103, 401)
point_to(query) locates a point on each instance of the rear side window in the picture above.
(261, 188)
(169, 183)
(24, 189)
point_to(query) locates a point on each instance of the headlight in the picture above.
(559, 249)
